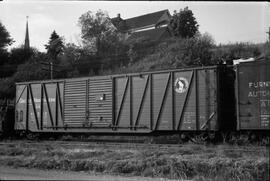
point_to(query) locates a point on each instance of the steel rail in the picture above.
(129, 145)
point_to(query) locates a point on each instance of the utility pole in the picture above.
(268, 34)
(50, 68)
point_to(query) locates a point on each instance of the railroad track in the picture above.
(121, 145)
(94, 144)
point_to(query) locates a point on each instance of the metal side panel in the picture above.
(212, 119)
(20, 107)
(184, 88)
(60, 102)
(100, 101)
(207, 97)
(49, 99)
(162, 106)
(42, 110)
(132, 103)
(51, 106)
(140, 101)
(75, 99)
(34, 107)
(195, 100)
(122, 102)
(166, 101)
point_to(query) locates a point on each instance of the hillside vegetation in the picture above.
(102, 51)
(192, 52)
(142, 56)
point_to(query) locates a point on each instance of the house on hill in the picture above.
(153, 26)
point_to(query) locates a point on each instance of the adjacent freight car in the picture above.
(169, 101)
(253, 95)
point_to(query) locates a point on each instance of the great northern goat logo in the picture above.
(181, 85)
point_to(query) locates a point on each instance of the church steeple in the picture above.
(26, 42)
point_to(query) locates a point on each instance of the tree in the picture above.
(19, 55)
(71, 56)
(7, 88)
(76, 61)
(27, 71)
(32, 69)
(266, 50)
(98, 32)
(184, 24)
(102, 41)
(5, 40)
(198, 50)
(229, 52)
(55, 46)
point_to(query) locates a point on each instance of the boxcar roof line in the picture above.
(116, 75)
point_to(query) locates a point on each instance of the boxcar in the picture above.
(173, 100)
(253, 95)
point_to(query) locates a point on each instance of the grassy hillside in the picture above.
(137, 57)
(181, 53)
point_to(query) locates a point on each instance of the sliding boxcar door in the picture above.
(75, 103)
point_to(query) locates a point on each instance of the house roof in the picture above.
(116, 20)
(140, 21)
(144, 20)
(152, 34)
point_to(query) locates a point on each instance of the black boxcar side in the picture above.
(173, 100)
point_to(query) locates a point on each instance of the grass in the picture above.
(188, 161)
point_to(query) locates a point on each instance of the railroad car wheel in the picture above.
(21, 134)
(184, 137)
(199, 139)
(213, 137)
(225, 137)
(265, 141)
(253, 137)
(32, 136)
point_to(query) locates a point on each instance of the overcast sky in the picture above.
(227, 22)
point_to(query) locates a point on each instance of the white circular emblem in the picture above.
(181, 85)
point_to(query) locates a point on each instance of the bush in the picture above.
(172, 53)
(7, 88)
(229, 52)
